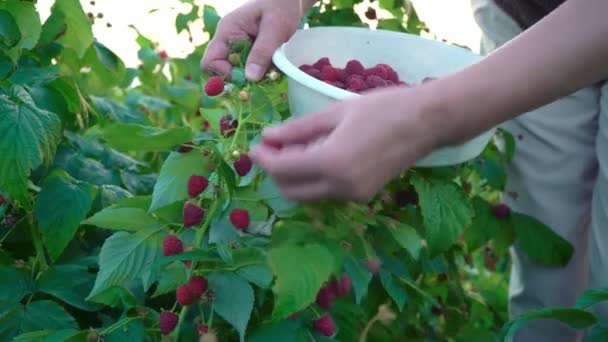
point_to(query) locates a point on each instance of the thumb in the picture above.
(268, 40)
(302, 130)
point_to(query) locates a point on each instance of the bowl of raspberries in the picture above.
(328, 64)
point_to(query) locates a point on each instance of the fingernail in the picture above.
(254, 72)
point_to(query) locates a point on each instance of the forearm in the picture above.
(561, 54)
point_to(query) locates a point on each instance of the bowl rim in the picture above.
(280, 60)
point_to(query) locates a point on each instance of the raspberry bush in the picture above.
(130, 210)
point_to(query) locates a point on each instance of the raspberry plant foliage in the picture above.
(117, 187)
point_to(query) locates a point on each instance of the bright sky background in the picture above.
(449, 19)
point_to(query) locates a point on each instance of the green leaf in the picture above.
(172, 183)
(14, 285)
(598, 333)
(553, 251)
(407, 237)
(9, 31)
(38, 315)
(130, 219)
(393, 288)
(484, 226)
(446, 211)
(233, 299)
(133, 137)
(270, 193)
(132, 331)
(170, 278)
(116, 111)
(78, 35)
(60, 206)
(210, 19)
(591, 297)
(53, 282)
(28, 136)
(26, 17)
(359, 277)
(284, 331)
(297, 287)
(127, 256)
(491, 171)
(575, 318)
(509, 144)
(260, 275)
(63, 335)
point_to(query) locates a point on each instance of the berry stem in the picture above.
(40, 255)
(200, 233)
(118, 324)
(10, 230)
(312, 308)
(182, 315)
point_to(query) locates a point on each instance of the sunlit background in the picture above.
(448, 19)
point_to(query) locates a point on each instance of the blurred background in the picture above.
(450, 20)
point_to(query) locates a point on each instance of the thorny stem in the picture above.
(119, 324)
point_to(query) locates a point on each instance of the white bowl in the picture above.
(413, 57)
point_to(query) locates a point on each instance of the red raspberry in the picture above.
(184, 297)
(501, 211)
(374, 81)
(172, 245)
(336, 84)
(373, 265)
(344, 286)
(202, 329)
(306, 67)
(314, 73)
(325, 325)
(228, 126)
(243, 165)
(163, 54)
(321, 63)
(391, 74)
(355, 83)
(214, 86)
(376, 71)
(240, 218)
(185, 148)
(168, 321)
(193, 214)
(196, 185)
(197, 286)
(371, 14)
(329, 73)
(354, 67)
(325, 297)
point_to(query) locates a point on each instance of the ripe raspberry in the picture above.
(376, 71)
(243, 165)
(325, 297)
(344, 286)
(202, 329)
(186, 147)
(501, 211)
(168, 321)
(306, 67)
(373, 265)
(325, 325)
(197, 286)
(196, 185)
(391, 74)
(316, 73)
(336, 84)
(193, 214)
(183, 295)
(240, 218)
(371, 14)
(354, 67)
(228, 125)
(321, 63)
(163, 54)
(172, 245)
(355, 84)
(342, 75)
(329, 73)
(374, 81)
(214, 86)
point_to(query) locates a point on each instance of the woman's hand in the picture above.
(269, 23)
(350, 150)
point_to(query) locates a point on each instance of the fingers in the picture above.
(303, 130)
(215, 58)
(269, 38)
(294, 165)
